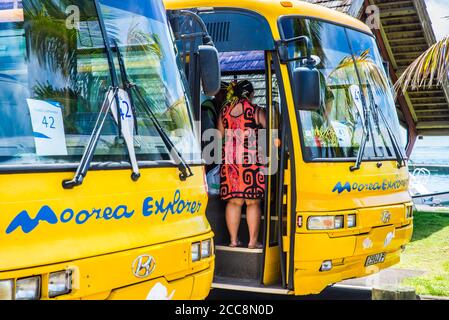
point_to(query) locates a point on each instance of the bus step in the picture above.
(238, 262)
(249, 285)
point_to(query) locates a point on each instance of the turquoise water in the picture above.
(438, 183)
(433, 155)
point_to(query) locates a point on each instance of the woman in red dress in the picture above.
(242, 177)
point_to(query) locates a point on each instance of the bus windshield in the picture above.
(54, 75)
(354, 85)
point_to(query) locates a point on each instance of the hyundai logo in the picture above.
(386, 216)
(143, 266)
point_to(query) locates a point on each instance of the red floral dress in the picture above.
(241, 174)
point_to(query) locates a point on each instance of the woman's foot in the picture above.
(236, 244)
(255, 246)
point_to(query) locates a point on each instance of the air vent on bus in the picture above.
(219, 31)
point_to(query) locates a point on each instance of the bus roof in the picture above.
(272, 9)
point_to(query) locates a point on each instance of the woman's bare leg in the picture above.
(253, 219)
(233, 216)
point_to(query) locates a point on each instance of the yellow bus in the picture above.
(102, 190)
(336, 205)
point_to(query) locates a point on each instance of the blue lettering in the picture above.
(63, 218)
(159, 205)
(180, 208)
(23, 220)
(80, 214)
(192, 210)
(107, 213)
(188, 204)
(147, 207)
(125, 212)
(150, 207)
(373, 186)
(97, 212)
(340, 188)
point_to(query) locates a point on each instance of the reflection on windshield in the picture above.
(54, 77)
(142, 34)
(353, 82)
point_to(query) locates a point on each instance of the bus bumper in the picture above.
(348, 255)
(118, 275)
(193, 287)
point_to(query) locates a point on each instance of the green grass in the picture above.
(429, 251)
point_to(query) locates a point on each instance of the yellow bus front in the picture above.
(337, 202)
(110, 235)
(349, 178)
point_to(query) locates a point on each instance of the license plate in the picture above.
(375, 258)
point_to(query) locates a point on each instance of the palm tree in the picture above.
(52, 44)
(345, 75)
(429, 69)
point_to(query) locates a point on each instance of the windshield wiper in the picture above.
(112, 95)
(88, 154)
(366, 132)
(183, 167)
(396, 148)
(379, 114)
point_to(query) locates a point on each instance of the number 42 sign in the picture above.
(48, 128)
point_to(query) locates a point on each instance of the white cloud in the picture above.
(438, 9)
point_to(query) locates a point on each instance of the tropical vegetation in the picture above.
(431, 68)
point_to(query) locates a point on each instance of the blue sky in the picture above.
(438, 9)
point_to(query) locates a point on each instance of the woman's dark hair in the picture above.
(243, 89)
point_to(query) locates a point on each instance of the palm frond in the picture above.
(429, 69)
(370, 73)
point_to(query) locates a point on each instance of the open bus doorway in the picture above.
(252, 57)
(242, 266)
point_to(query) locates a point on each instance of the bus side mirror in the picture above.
(209, 69)
(307, 88)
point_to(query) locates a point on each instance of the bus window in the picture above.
(378, 90)
(349, 62)
(51, 65)
(246, 65)
(148, 53)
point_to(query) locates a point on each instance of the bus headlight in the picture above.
(6, 287)
(206, 248)
(352, 221)
(59, 283)
(195, 250)
(325, 222)
(28, 288)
